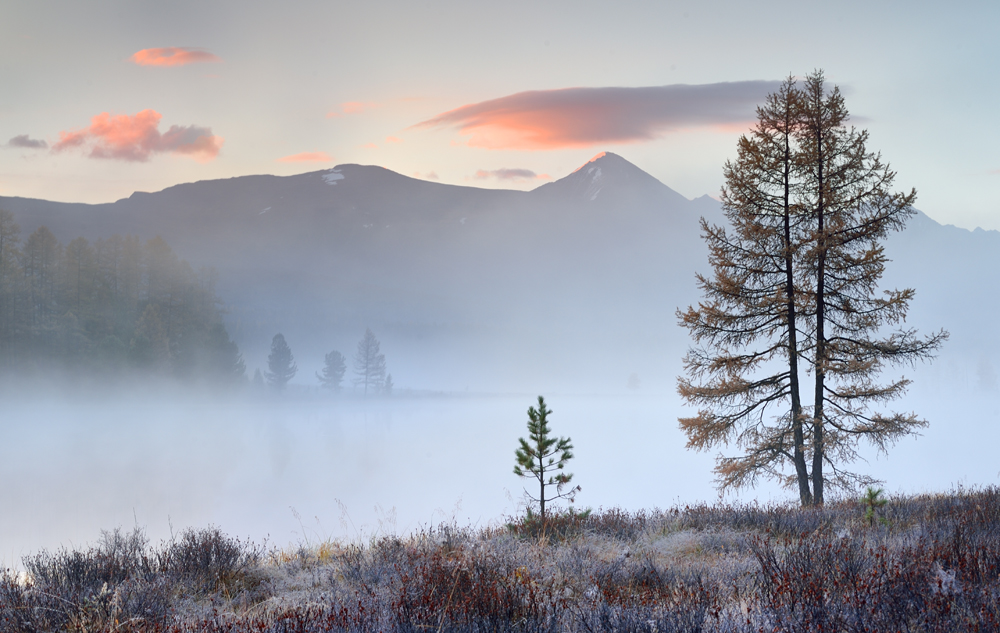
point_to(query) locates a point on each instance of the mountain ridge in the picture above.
(592, 265)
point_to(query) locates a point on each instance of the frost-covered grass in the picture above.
(931, 565)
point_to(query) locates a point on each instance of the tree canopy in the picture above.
(334, 368)
(110, 305)
(369, 364)
(280, 364)
(795, 288)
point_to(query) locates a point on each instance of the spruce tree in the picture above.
(280, 363)
(543, 459)
(334, 367)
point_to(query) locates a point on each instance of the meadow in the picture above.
(927, 562)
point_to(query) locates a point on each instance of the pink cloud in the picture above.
(370, 146)
(393, 139)
(173, 56)
(510, 174)
(135, 138)
(582, 117)
(306, 157)
(351, 107)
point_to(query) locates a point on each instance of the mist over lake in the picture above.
(287, 468)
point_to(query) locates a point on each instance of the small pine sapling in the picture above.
(543, 458)
(872, 502)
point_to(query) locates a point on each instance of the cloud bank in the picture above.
(581, 117)
(307, 157)
(136, 138)
(173, 56)
(510, 174)
(23, 141)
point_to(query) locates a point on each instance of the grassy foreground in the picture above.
(929, 563)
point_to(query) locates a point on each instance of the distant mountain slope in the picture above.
(573, 284)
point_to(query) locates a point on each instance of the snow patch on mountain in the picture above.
(332, 177)
(595, 178)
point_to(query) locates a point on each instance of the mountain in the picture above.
(572, 285)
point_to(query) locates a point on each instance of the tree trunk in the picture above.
(817, 466)
(541, 485)
(798, 457)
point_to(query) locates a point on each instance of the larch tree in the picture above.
(543, 458)
(369, 364)
(856, 330)
(744, 364)
(80, 276)
(280, 364)
(40, 264)
(10, 236)
(795, 288)
(334, 368)
(222, 360)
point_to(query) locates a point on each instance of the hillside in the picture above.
(572, 285)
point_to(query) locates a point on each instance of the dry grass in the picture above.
(933, 565)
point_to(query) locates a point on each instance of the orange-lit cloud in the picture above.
(393, 139)
(581, 117)
(510, 174)
(137, 137)
(370, 146)
(306, 157)
(173, 56)
(351, 107)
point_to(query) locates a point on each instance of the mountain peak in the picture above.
(603, 158)
(608, 177)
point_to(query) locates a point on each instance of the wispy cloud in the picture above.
(510, 174)
(24, 141)
(393, 139)
(351, 107)
(581, 117)
(137, 137)
(173, 56)
(307, 157)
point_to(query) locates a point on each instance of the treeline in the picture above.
(113, 305)
(370, 376)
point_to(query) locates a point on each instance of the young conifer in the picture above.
(543, 458)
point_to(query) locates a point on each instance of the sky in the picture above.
(103, 99)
